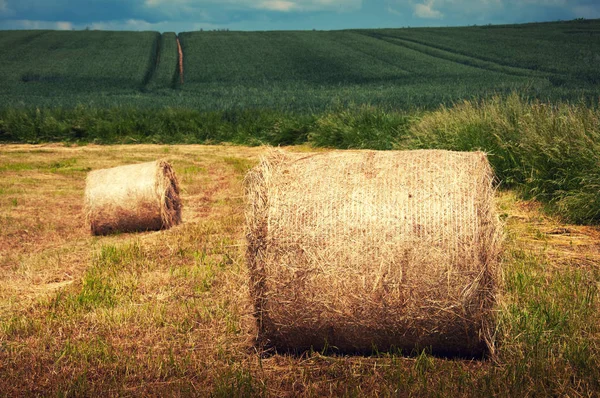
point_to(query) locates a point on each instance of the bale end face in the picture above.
(139, 197)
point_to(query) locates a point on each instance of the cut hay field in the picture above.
(168, 313)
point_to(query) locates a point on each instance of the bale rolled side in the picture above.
(364, 250)
(138, 197)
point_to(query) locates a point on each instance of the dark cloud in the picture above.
(75, 11)
(285, 14)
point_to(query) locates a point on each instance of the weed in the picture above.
(241, 166)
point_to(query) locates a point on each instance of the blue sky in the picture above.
(186, 15)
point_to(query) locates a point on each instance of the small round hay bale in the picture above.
(365, 250)
(138, 197)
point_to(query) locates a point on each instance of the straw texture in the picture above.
(138, 197)
(364, 250)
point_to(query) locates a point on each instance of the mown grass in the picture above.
(168, 313)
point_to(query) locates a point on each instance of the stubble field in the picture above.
(168, 313)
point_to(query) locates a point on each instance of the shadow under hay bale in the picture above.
(138, 197)
(362, 250)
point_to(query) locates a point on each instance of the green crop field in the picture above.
(165, 75)
(563, 53)
(314, 70)
(300, 71)
(48, 67)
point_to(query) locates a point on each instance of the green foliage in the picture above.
(235, 383)
(109, 281)
(85, 124)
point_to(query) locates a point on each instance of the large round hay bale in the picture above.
(364, 250)
(138, 197)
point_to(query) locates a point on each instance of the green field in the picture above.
(169, 313)
(55, 66)
(532, 94)
(300, 71)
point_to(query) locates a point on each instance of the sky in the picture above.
(189, 15)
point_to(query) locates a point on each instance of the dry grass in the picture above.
(363, 250)
(168, 313)
(136, 197)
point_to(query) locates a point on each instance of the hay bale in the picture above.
(362, 249)
(138, 197)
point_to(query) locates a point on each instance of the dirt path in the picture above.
(180, 51)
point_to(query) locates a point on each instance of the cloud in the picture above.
(64, 26)
(278, 5)
(393, 11)
(468, 12)
(544, 3)
(270, 5)
(587, 11)
(179, 15)
(426, 11)
(31, 24)
(304, 5)
(129, 24)
(4, 10)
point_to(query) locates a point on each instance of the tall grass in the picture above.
(360, 127)
(550, 152)
(85, 124)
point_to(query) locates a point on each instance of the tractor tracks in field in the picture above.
(395, 65)
(462, 58)
(164, 70)
(152, 63)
